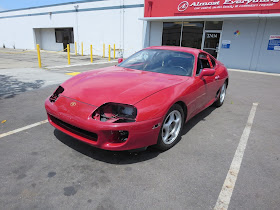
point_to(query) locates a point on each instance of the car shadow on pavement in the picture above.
(112, 157)
(196, 119)
(123, 157)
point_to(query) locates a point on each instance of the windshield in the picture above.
(161, 61)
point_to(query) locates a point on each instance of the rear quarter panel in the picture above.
(222, 72)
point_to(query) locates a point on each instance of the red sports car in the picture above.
(144, 100)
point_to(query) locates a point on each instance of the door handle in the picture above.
(217, 77)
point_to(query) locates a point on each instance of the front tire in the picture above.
(222, 95)
(171, 128)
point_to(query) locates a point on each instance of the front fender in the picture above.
(157, 105)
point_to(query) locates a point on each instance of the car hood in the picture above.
(116, 84)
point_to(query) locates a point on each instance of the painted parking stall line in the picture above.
(23, 128)
(228, 187)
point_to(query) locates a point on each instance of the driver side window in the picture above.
(202, 62)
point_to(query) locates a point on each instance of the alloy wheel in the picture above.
(171, 127)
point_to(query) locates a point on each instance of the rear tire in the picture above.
(222, 95)
(171, 128)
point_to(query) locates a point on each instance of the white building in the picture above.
(243, 34)
(94, 22)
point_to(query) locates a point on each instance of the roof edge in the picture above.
(51, 5)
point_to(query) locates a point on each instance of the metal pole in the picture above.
(68, 53)
(39, 56)
(114, 51)
(103, 50)
(109, 59)
(91, 59)
(181, 35)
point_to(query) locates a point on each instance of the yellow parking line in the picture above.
(73, 73)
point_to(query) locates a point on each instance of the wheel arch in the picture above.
(227, 81)
(184, 107)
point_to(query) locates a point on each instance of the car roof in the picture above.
(181, 49)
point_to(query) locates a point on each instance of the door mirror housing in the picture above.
(120, 60)
(207, 72)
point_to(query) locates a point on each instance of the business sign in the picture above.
(274, 42)
(226, 44)
(212, 36)
(165, 8)
(183, 6)
(226, 4)
(236, 33)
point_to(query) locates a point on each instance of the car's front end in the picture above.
(109, 126)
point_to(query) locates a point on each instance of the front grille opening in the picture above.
(73, 129)
(56, 94)
(119, 136)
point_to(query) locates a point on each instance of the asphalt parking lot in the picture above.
(43, 168)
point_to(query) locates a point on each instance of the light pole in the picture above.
(77, 25)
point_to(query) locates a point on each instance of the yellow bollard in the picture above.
(82, 49)
(109, 58)
(91, 59)
(39, 56)
(114, 51)
(75, 48)
(68, 53)
(103, 50)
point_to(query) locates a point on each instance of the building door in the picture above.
(64, 36)
(211, 42)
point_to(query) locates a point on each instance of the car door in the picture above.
(200, 87)
(206, 84)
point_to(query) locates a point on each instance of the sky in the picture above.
(18, 4)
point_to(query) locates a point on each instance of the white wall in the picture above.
(267, 60)
(249, 49)
(156, 33)
(110, 26)
(132, 43)
(48, 40)
(240, 53)
(152, 35)
(16, 33)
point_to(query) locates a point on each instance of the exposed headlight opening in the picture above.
(115, 113)
(56, 94)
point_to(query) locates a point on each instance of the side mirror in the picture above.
(120, 60)
(207, 72)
